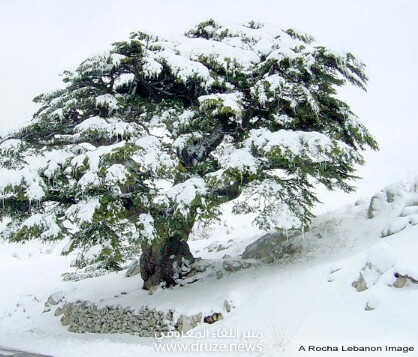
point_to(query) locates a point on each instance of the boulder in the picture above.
(227, 306)
(395, 226)
(379, 260)
(53, 299)
(66, 319)
(402, 280)
(186, 323)
(133, 269)
(271, 246)
(216, 316)
(222, 247)
(360, 284)
(233, 266)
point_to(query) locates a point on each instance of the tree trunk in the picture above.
(165, 262)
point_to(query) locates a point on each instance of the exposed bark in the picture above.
(163, 263)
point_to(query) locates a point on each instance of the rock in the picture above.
(360, 202)
(270, 247)
(227, 306)
(55, 298)
(145, 333)
(377, 202)
(226, 256)
(401, 280)
(136, 328)
(222, 247)
(368, 308)
(360, 284)
(236, 265)
(61, 310)
(379, 259)
(395, 226)
(212, 247)
(392, 197)
(216, 316)
(186, 323)
(409, 211)
(66, 319)
(199, 266)
(372, 304)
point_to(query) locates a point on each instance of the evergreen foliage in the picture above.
(152, 135)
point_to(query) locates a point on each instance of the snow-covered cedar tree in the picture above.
(152, 135)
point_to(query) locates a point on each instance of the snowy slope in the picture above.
(304, 300)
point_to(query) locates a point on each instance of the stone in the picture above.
(400, 282)
(379, 259)
(360, 284)
(372, 304)
(66, 319)
(236, 265)
(227, 306)
(385, 199)
(360, 202)
(395, 226)
(186, 323)
(133, 269)
(55, 298)
(216, 316)
(198, 267)
(376, 204)
(271, 246)
(222, 247)
(212, 247)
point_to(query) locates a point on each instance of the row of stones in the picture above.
(82, 316)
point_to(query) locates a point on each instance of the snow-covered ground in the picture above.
(307, 299)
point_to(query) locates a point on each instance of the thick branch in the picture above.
(200, 151)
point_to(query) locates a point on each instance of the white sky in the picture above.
(42, 38)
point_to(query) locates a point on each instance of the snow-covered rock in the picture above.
(270, 247)
(379, 260)
(395, 226)
(133, 269)
(186, 323)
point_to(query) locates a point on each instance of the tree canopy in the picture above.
(152, 135)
